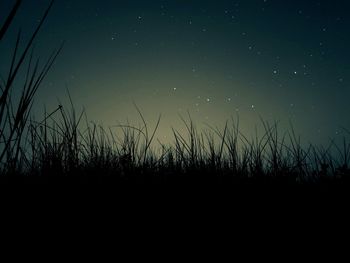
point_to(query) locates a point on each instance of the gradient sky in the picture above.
(281, 60)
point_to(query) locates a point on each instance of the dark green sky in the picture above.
(284, 60)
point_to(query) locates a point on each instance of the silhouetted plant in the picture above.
(14, 115)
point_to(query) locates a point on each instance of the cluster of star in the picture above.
(279, 74)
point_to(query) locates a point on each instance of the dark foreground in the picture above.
(206, 182)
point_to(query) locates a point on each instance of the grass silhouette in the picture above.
(64, 144)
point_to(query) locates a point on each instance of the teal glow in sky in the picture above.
(281, 60)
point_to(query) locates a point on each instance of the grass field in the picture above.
(65, 144)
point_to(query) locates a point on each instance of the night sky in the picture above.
(276, 59)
